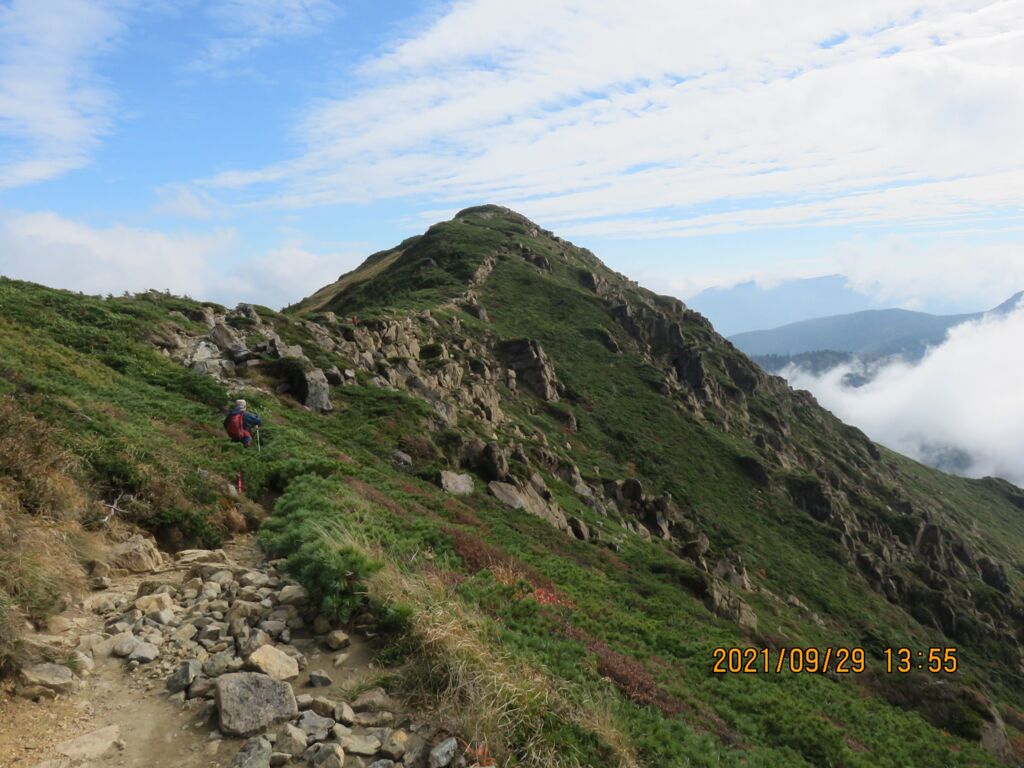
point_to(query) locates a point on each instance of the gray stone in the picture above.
(184, 675)
(442, 755)
(362, 745)
(329, 756)
(248, 702)
(394, 745)
(292, 594)
(138, 555)
(319, 679)
(91, 746)
(323, 707)
(337, 640)
(144, 653)
(255, 753)
(314, 726)
(222, 663)
(291, 740)
(53, 677)
(270, 661)
(344, 714)
(373, 700)
(123, 647)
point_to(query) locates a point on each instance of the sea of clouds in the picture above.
(961, 407)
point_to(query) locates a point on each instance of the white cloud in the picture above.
(289, 273)
(55, 251)
(53, 108)
(248, 25)
(967, 394)
(59, 252)
(662, 119)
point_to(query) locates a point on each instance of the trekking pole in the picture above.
(259, 445)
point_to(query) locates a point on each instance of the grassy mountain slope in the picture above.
(675, 499)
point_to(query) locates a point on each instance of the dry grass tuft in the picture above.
(490, 697)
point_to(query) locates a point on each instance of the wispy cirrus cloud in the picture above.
(249, 25)
(658, 119)
(54, 108)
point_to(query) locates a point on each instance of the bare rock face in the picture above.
(250, 702)
(532, 367)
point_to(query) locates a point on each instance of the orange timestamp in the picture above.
(838, 660)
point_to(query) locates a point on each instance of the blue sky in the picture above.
(256, 149)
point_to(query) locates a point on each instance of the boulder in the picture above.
(138, 555)
(274, 663)
(454, 483)
(249, 702)
(52, 677)
(310, 387)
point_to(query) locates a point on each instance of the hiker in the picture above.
(239, 423)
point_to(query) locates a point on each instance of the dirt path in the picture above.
(155, 730)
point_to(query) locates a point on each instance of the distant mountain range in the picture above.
(748, 306)
(869, 335)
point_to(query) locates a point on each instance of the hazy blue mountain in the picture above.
(748, 306)
(868, 334)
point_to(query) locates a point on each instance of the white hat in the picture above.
(240, 404)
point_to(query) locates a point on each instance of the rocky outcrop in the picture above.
(532, 367)
(310, 387)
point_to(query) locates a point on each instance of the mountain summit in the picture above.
(564, 505)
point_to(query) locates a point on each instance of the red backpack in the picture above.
(235, 425)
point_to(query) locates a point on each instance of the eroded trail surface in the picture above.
(212, 659)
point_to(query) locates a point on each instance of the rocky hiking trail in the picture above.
(209, 659)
